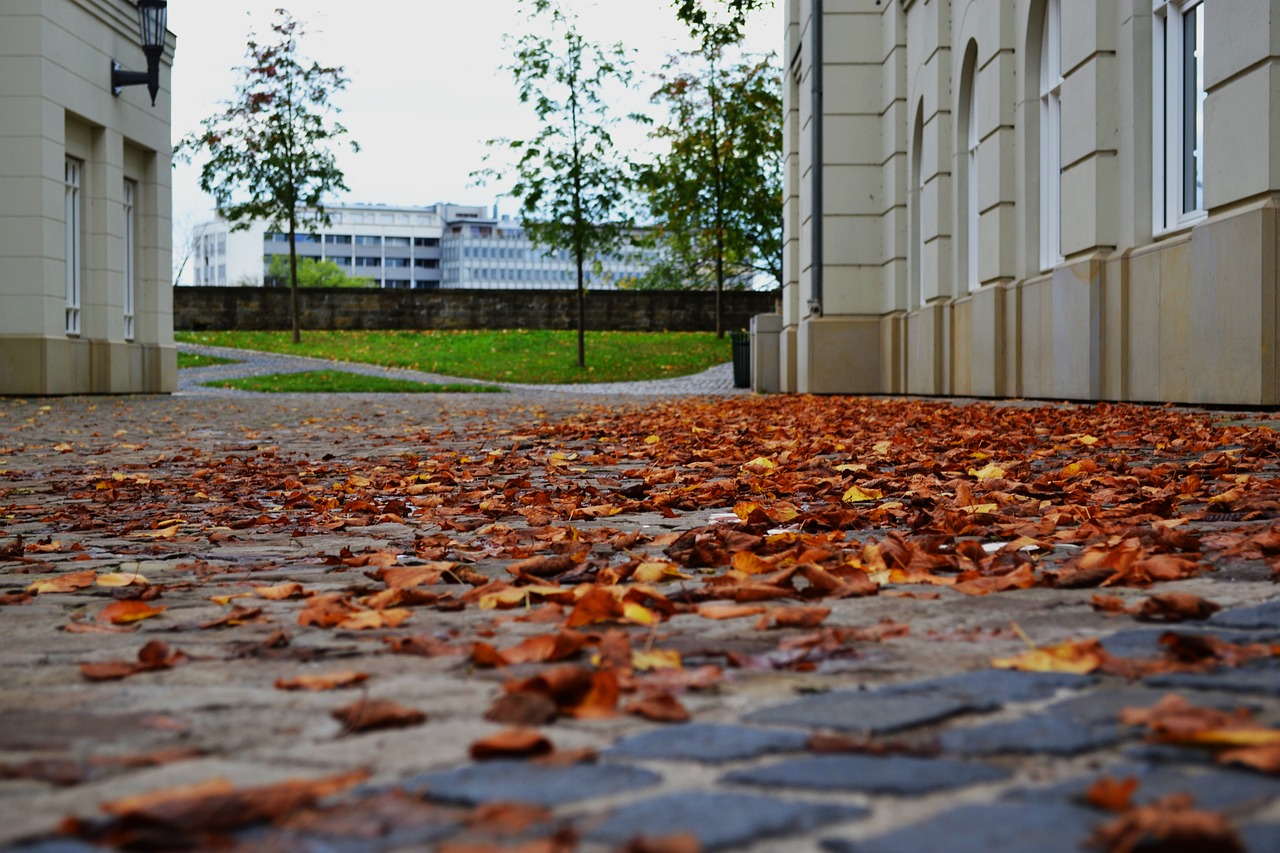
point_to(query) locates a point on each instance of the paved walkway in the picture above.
(883, 742)
(717, 380)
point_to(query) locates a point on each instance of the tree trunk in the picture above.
(293, 279)
(582, 315)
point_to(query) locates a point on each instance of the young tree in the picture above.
(715, 191)
(570, 181)
(270, 152)
(313, 272)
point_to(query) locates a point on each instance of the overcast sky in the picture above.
(427, 86)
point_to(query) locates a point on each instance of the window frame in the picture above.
(1169, 121)
(129, 204)
(1051, 81)
(73, 180)
(973, 213)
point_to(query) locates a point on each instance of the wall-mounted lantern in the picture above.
(151, 26)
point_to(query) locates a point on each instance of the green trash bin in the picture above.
(741, 359)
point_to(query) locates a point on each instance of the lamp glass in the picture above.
(151, 22)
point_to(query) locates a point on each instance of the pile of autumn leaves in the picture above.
(822, 499)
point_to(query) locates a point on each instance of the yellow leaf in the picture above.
(1087, 440)
(1074, 656)
(227, 599)
(881, 448)
(122, 579)
(759, 465)
(638, 614)
(656, 572)
(853, 466)
(980, 509)
(653, 439)
(856, 495)
(656, 659)
(991, 472)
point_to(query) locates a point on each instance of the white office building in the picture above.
(432, 247)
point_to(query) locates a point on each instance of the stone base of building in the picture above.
(1191, 318)
(40, 366)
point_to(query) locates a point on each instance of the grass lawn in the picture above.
(338, 382)
(534, 356)
(190, 359)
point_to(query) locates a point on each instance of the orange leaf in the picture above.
(659, 708)
(65, 583)
(280, 591)
(122, 612)
(329, 681)
(725, 610)
(511, 743)
(1112, 795)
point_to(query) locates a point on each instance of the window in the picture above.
(397, 241)
(973, 214)
(397, 262)
(368, 262)
(130, 281)
(368, 240)
(338, 239)
(1178, 112)
(426, 242)
(341, 260)
(71, 201)
(426, 263)
(1051, 138)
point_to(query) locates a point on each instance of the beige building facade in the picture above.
(1061, 199)
(85, 291)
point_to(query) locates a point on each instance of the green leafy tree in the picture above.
(270, 152)
(570, 180)
(720, 18)
(313, 272)
(715, 189)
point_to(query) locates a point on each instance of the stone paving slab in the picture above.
(985, 828)
(896, 775)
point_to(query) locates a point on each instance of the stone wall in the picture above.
(262, 308)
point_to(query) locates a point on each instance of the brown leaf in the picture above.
(328, 681)
(1168, 824)
(685, 842)
(545, 567)
(374, 714)
(65, 583)
(216, 805)
(522, 709)
(153, 656)
(511, 743)
(1113, 795)
(1175, 607)
(659, 708)
(793, 617)
(725, 610)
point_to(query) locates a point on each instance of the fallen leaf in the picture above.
(124, 612)
(511, 743)
(70, 582)
(280, 591)
(374, 714)
(327, 681)
(659, 708)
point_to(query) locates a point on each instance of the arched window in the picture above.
(915, 202)
(1051, 137)
(972, 212)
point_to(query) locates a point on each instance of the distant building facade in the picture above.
(84, 205)
(1040, 198)
(432, 247)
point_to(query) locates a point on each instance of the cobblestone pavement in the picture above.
(718, 380)
(970, 758)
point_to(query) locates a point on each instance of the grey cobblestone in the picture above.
(739, 785)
